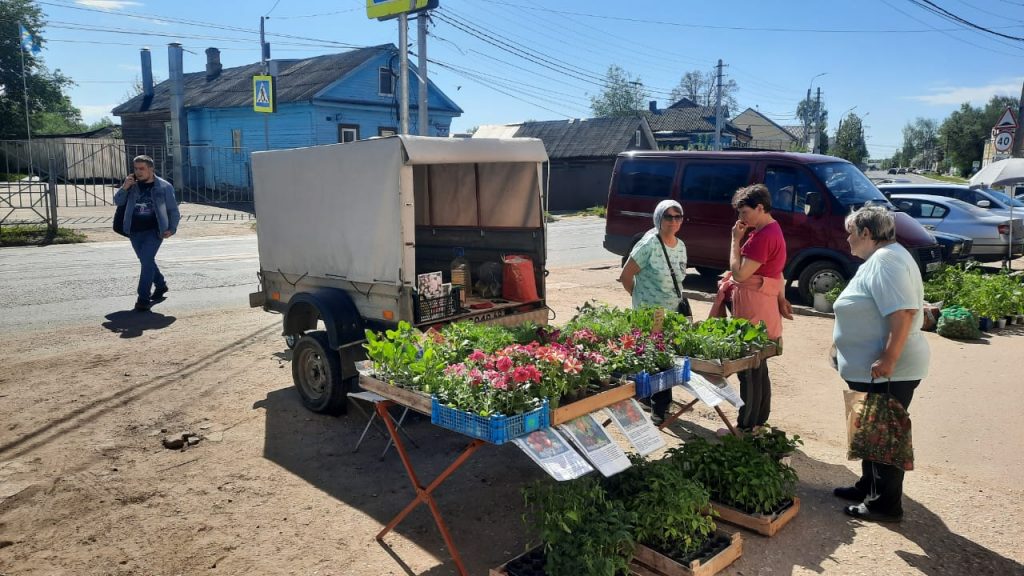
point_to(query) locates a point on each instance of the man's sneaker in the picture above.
(141, 306)
(159, 295)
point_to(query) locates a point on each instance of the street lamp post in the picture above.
(814, 119)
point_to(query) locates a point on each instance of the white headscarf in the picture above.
(659, 214)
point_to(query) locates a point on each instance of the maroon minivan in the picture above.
(811, 196)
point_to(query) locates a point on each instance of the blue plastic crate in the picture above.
(493, 429)
(649, 384)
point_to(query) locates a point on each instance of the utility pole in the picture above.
(718, 109)
(817, 121)
(403, 76)
(1016, 151)
(421, 49)
(807, 125)
(264, 54)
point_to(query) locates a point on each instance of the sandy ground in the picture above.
(87, 488)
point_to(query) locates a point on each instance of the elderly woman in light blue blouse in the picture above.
(654, 273)
(879, 344)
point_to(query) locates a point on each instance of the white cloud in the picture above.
(976, 95)
(107, 4)
(93, 112)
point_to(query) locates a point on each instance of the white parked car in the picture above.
(990, 233)
(994, 201)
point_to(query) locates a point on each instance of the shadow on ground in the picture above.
(482, 503)
(131, 324)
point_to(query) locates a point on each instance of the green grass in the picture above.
(943, 178)
(598, 211)
(549, 217)
(12, 177)
(38, 235)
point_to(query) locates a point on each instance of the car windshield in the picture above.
(1005, 199)
(849, 185)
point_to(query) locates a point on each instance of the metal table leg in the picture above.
(424, 495)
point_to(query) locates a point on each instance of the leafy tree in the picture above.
(921, 142)
(805, 113)
(622, 95)
(49, 107)
(849, 142)
(701, 89)
(962, 135)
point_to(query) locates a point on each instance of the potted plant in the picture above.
(775, 443)
(673, 523)
(748, 487)
(821, 303)
(582, 529)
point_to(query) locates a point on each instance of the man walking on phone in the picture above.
(150, 216)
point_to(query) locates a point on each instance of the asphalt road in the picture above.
(52, 286)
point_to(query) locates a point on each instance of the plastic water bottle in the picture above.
(461, 275)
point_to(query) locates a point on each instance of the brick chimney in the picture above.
(213, 66)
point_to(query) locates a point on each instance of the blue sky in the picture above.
(891, 59)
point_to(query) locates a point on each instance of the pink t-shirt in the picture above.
(768, 247)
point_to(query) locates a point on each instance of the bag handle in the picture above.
(671, 270)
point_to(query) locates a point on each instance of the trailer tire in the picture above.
(316, 373)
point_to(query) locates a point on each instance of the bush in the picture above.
(33, 235)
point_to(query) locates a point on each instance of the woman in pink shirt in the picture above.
(756, 288)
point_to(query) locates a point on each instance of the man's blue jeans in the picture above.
(146, 244)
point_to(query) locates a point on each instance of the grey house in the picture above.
(582, 154)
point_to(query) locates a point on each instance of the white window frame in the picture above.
(391, 81)
(344, 129)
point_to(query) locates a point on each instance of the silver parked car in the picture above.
(990, 233)
(994, 201)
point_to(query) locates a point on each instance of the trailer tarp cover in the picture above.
(340, 210)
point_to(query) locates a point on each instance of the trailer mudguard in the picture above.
(333, 306)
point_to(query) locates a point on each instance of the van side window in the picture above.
(789, 187)
(651, 178)
(715, 182)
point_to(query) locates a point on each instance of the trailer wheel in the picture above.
(316, 372)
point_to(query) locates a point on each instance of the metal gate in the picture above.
(38, 177)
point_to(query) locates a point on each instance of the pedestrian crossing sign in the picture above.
(263, 93)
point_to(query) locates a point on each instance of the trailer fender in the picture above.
(334, 307)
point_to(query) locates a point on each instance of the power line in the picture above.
(945, 33)
(942, 12)
(276, 2)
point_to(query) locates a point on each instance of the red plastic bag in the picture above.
(519, 284)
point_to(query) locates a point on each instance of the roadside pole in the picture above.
(403, 78)
(718, 109)
(263, 70)
(421, 53)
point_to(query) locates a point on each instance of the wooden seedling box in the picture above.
(573, 410)
(730, 367)
(417, 401)
(764, 525)
(647, 562)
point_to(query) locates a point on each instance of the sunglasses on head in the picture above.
(673, 217)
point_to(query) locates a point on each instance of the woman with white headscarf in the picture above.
(653, 275)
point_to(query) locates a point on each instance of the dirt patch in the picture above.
(86, 486)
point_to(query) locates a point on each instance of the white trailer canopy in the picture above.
(349, 211)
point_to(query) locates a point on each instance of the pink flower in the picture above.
(521, 374)
(456, 370)
(504, 364)
(500, 383)
(572, 366)
(628, 341)
(476, 376)
(596, 358)
(477, 355)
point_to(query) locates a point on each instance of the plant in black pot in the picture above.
(774, 442)
(583, 530)
(672, 512)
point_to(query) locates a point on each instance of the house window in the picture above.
(637, 139)
(386, 131)
(385, 82)
(348, 132)
(236, 140)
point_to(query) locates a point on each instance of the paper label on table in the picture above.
(712, 390)
(636, 426)
(554, 454)
(589, 436)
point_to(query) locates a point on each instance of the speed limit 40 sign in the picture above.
(1003, 141)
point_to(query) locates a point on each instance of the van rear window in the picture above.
(651, 178)
(714, 182)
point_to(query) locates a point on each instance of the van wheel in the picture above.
(316, 372)
(819, 276)
(709, 272)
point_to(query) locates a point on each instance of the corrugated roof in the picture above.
(297, 81)
(692, 119)
(798, 132)
(583, 138)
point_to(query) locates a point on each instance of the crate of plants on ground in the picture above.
(994, 299)
(749, 484)
(650, 519)
(478, 379)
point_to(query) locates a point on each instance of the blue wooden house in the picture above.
(320, 100)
